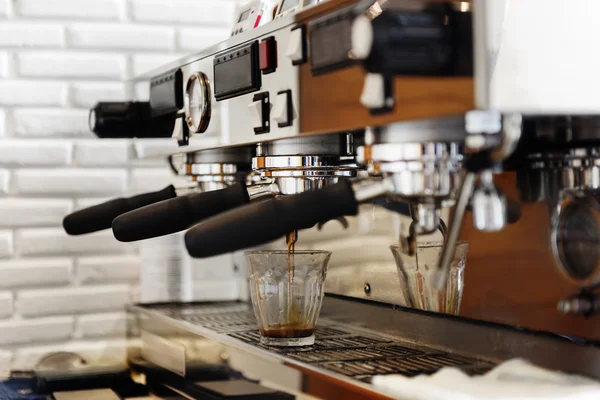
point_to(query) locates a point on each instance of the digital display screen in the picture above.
(244, 15)
(237, 74)
(288, 5)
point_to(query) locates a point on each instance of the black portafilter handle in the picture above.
(100, 217)
(263, 222)
(174, 215)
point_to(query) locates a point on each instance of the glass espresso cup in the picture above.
(416, 273)
(287, 293)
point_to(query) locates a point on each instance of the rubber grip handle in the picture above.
(262, 222)
(100, 217)
(177, 214)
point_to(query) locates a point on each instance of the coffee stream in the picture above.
(291, 246)
(294, 326)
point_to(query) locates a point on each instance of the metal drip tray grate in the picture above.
(350, 342)
(408, 366)
(353, 354)
(344, 350)
(221, 321)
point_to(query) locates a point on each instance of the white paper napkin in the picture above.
(512, 380)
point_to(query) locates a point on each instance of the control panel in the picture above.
(309, 72)
(255, 85)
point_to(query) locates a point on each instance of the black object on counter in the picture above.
(100, 217)
(269, 220)
(195, 370)
(177, 214)
(126, 120)
(81, 378)
(235, 390)
(19, 388)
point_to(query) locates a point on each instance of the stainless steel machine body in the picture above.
(324, 96)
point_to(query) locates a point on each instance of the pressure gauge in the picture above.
(197, 102)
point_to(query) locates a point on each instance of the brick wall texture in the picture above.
(57, 59)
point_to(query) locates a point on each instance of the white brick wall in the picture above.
(18, 211)
(70, 181)
(101, 325)
(75, 65)
(108, 269)
(108, 153)
(50, 122)
(6, 304)
(57, 59)
(130, 37)
(32, 272)
(24, 34)
(35, 152)
(195, 39)
(37, 303)
(6, 244)
(4, 181)
(89, 9)
(40, 329)
(53, 241)
(32, 93)
(5, 8)
(200, 12)
(86, 94)
(4, 61)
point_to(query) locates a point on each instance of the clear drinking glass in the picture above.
(287, 292)
(417, 272)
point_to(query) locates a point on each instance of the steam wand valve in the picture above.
(506, 132)
(488, 204)
(585, 303)
(466, 190)
(425, 219)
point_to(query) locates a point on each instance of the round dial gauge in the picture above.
(197, 102)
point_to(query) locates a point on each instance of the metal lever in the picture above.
(466, 190)
(585, 303)
(261, 191)
(409, 243)
(479, 162)
(489, 205)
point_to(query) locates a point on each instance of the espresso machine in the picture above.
(454, 115)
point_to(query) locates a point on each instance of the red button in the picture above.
(267, 55)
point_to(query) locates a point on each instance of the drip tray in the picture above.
(355, 353)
